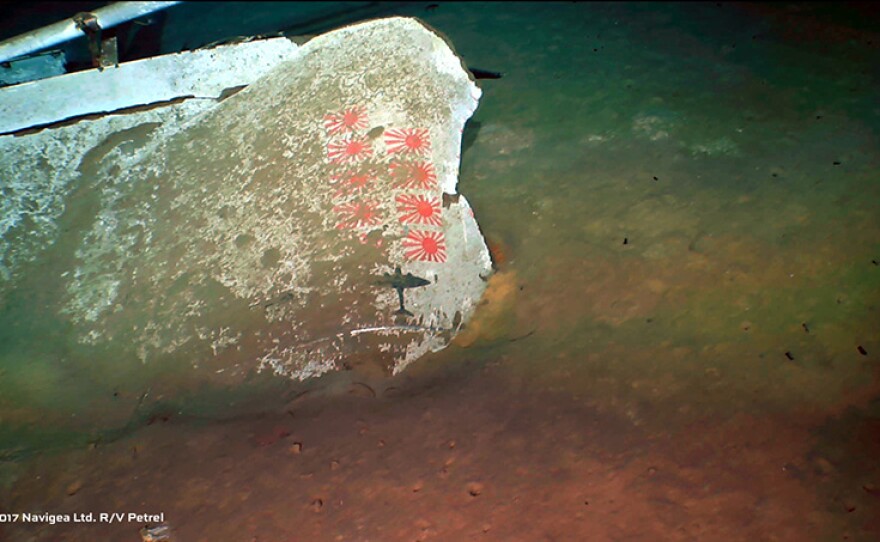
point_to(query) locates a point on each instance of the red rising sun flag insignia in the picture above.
(418, 209)
(351, 183)
(348, 150)
(407, 141)
(347, 121)
(419, 175)
(357, 214)
(425, 246)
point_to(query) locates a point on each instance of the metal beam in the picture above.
(48, 36)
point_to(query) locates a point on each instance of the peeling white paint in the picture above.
(230, 229)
